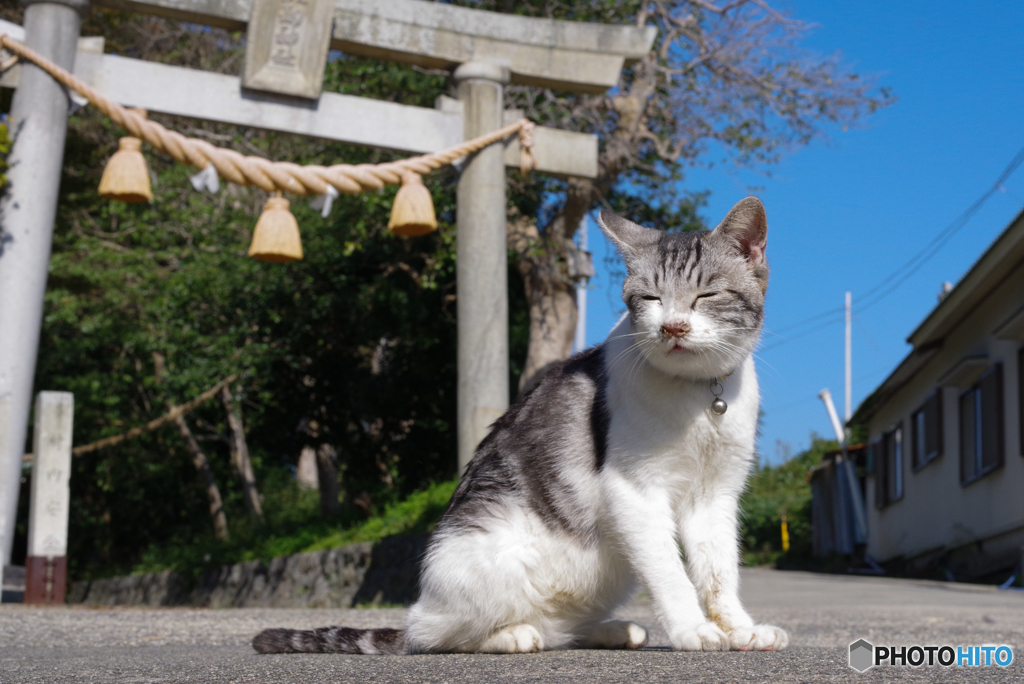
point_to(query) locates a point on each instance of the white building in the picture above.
(945, 485)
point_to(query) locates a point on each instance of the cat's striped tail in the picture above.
(331, 640)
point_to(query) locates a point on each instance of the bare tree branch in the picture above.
(729, 73)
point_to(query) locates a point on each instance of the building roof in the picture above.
(1003, 256)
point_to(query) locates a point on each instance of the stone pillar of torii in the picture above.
(287, 48)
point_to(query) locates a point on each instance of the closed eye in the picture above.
(650, 298)
(702, 296)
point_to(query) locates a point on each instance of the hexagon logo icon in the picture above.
(862, 655)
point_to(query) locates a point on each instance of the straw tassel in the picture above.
(412, 213)
(126, 177)
(276, 237)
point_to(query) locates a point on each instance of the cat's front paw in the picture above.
(706, 636)
(617, 634)
(758, 638)
(514, 639)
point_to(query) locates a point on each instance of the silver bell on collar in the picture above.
(718, 405)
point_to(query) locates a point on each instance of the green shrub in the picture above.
(774, 491)
(294, 525)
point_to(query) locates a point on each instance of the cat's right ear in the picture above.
(629, 238)
(746, 228)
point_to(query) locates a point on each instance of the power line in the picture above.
(940, 240)
(823, 324)
(914, 264)
(812, 319)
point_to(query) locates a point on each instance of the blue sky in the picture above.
(846, 212)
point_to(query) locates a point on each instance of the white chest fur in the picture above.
(662, 426)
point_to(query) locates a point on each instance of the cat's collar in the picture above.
(718, 405)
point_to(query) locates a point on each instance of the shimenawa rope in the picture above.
(267, 175)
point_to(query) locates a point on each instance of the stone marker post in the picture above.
(481, 262)
(39, 114)
(46, 568)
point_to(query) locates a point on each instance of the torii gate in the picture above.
(288, 42)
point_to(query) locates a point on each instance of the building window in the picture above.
(888, 467)
(926, 430)
(981, 426)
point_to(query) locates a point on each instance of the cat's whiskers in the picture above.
(646, 348)
(760, 359)
(646, 352)
(766, 331)
(637, 351)
(743, 328)
(632, 334)
(727, 346)
(705, 353)
(625, 351)
(728, 349)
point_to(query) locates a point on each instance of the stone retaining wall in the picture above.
(384, 572)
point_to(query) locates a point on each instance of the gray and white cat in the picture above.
(591, 481)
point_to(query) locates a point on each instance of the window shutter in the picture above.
(991, 390)
(968, 435)
(919, 437)
(880, 467)
(894, 458)
(933, 425)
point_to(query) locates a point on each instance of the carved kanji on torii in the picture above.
(280, 89)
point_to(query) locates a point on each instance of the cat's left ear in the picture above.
(746, 227)
(629, 238)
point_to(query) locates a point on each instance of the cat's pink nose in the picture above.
(680, 329)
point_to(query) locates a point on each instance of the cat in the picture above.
(586, 487)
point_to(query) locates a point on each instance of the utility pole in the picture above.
(579, 343)
(849, 358)
(843, 463)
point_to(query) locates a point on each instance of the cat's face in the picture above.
(696, 300)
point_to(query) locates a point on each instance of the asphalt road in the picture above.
(823, 614)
